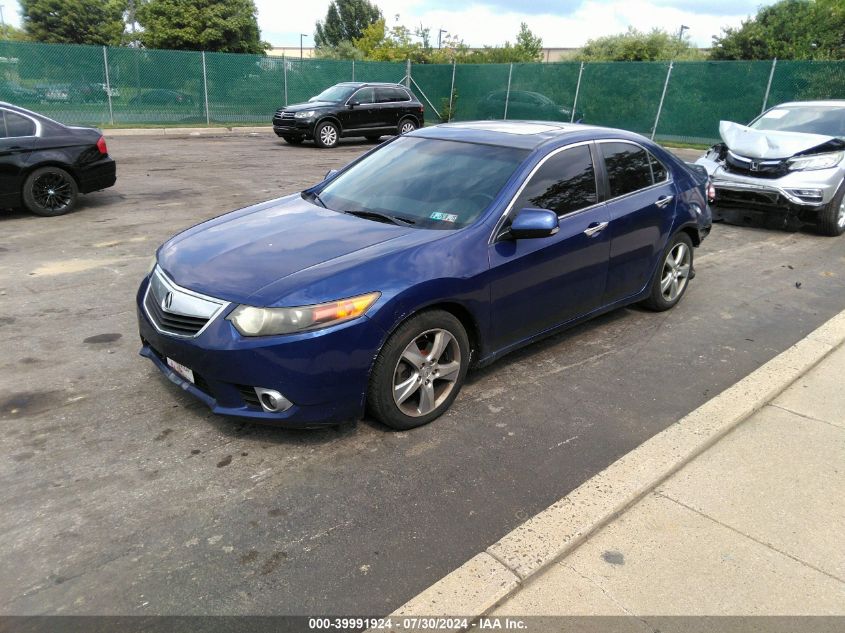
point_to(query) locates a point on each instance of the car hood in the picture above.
(311, 105)
(746, 141)
(234, 256)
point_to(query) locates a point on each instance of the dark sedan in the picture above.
(45, 165)
(441, 249)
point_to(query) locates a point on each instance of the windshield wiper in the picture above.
(382, 217)
(314, 196)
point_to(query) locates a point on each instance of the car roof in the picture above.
(522, 134)
(361, 84)
(824, 102)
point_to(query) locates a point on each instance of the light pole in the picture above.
(439, 36)
(683, 28)
(301, 35)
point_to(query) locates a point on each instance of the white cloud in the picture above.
(479, 23)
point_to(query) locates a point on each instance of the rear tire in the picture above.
(671, 279)
(419, 371)
(50, 191)
(407, 125)
(326, 135)
(832, 218)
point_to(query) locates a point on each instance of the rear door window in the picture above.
(17, 125)
(628, 168)
(565, 183)
(384, 95)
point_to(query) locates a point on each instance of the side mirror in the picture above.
(530, 223)
(353, 103)
(329, 174)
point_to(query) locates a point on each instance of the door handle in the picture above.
(662, 201)
(595, 228)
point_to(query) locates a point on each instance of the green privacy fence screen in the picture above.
(680, 101)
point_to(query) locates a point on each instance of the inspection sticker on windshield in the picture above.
(445, 217)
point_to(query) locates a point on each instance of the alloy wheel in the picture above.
(407, 126)
(676, 270)
(840, 219)
(426, 372)
(328, 135)
(52, 191)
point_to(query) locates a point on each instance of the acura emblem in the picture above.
(754, 165)
(167, 301)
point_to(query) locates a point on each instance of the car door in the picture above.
(539, 283)
(641, 203)
(361, 115)
(17, 137)
(386, 111)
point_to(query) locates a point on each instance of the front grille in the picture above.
(170, 322)
(756, 168)
(753, 198)
(249, 396)
(287, 115)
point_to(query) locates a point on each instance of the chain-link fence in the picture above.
(680, 101)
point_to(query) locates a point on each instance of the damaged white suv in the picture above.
(789, 159)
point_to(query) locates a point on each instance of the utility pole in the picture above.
(301, 35)
(3, 20)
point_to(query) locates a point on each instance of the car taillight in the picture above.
(711, 192)
(101, 146)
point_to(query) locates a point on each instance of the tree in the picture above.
(345, 21)
(528, 46)
(74, 21)
(637, 46)
(789, 29)
(228, 26)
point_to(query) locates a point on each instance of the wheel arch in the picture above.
(412, 116)
(47, 163)
(328, 118)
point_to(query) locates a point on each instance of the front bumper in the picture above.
(293, 127)
(801, 192)
(323, 373)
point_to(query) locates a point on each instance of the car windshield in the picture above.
(334, 94)
(826, 120)
(428, 183)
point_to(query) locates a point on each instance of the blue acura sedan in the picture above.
(443, 249)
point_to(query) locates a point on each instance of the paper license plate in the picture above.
(180, 369)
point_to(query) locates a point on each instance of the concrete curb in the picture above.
(476, 587)
(188, 131)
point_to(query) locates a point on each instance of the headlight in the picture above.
(307, 114)
(817, 161)
(252, 321)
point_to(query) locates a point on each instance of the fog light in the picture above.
(812, 194)
(272, 401)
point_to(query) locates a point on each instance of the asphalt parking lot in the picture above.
(122, 495)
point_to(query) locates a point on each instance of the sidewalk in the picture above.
(753, 526)
(738, 509)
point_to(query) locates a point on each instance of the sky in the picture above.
(561, 23)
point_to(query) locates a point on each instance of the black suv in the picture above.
(350, 109)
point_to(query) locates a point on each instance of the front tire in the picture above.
(50, 191)
(832, 218)
(327, 135)
(672, 276)
(419, 371)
